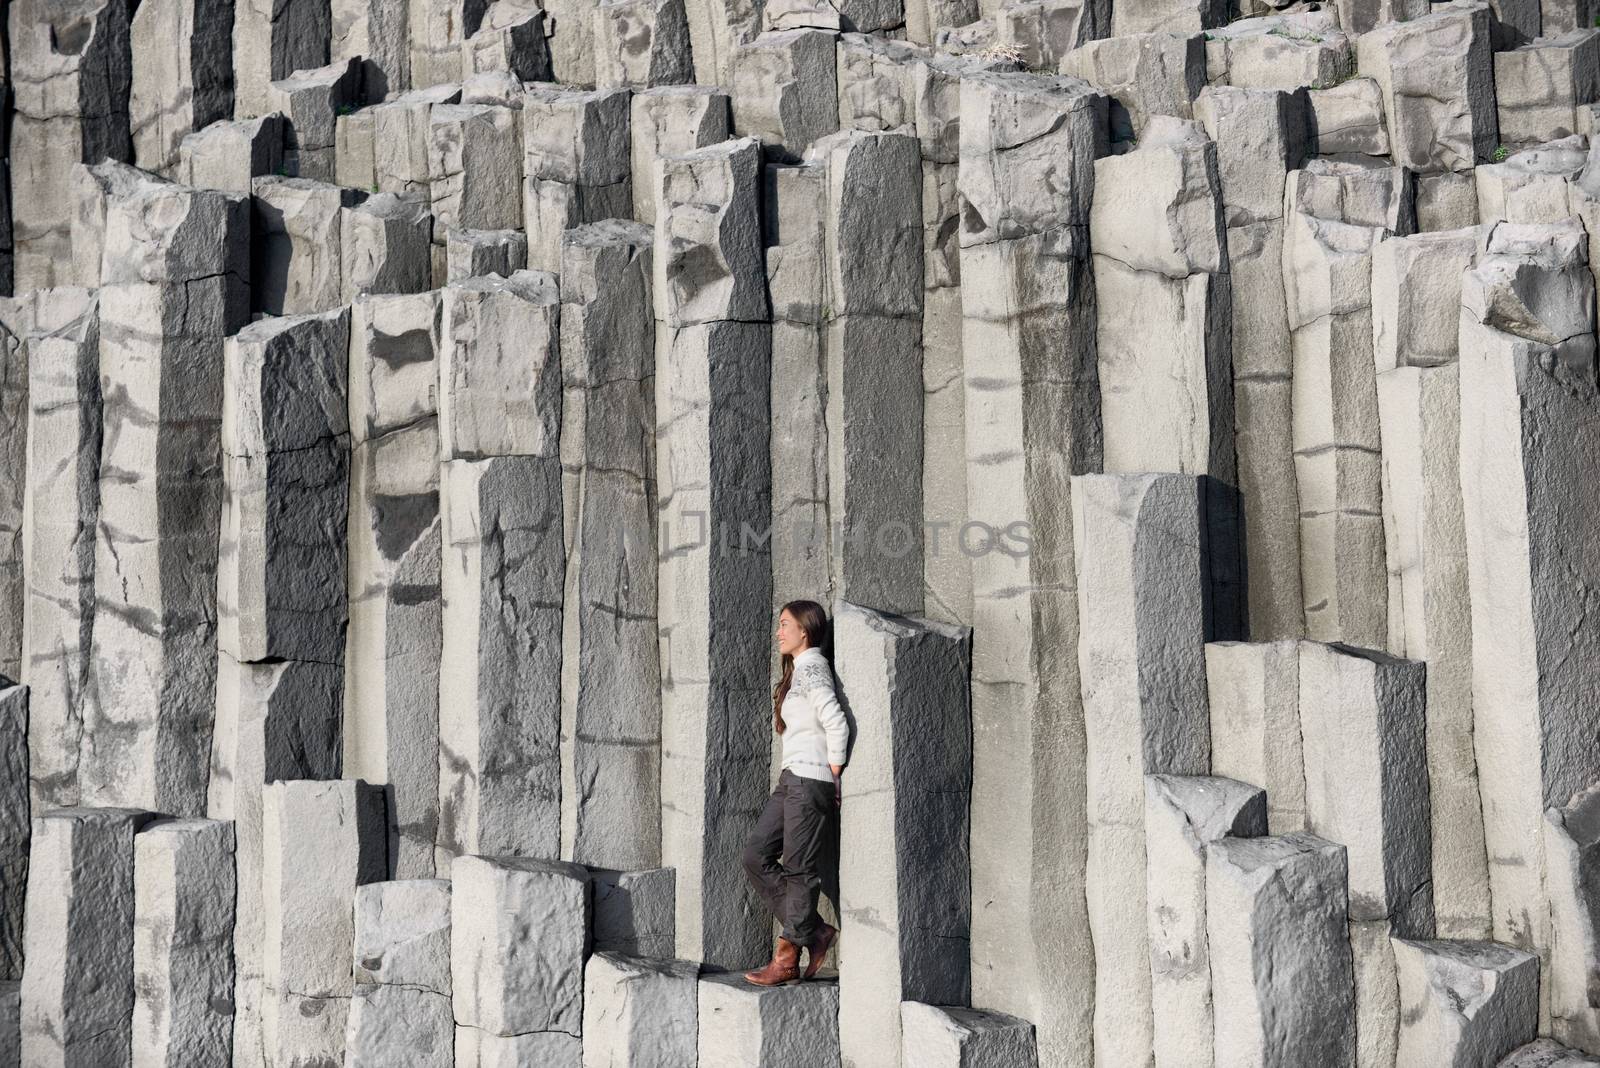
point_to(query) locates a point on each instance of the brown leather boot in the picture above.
(784, 966)
(818, 950)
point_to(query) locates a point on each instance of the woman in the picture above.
(800, 816)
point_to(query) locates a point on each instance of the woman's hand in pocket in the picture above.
(838, 785)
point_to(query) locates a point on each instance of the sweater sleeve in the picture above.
(818, 687)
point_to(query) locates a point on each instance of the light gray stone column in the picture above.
(1430, 619)
(611, 720)
(174, 284)
(77, 992)
(1539, 88)
(633, 911)
(1139, 548)
(63, 425)
(906, 908)
(1464, 1002)
(576, 164)
(392, 647)
(1569, 856)
(1183, 814)
(14, 421)
(437, 31)
(743, 1025)
(1027, 340)
(1528, 428)
(385, 246)
(400, 138)
(1362, 717)
(500, 367)
(271, 40)
(299, 262)
(668, 122)
(1254, 696)
(471, 253)
(642, 43)
(70, 72)
(401, 1011)
(15, 825)
(515, 36)
(227, 155)
(713, 351)
(640, 1011)
(716, 28)
(183, 874)
(379, 33)
(474, 166)
(182, 79)
(948, 1037)
(1280, 954)
(784, 90)
(322, 841)
(310, 101)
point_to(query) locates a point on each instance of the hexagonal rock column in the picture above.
(15, 416)
(668, 122)
(1436, 74)
(474, 167)
(1260, 135)
(11, 1020)
(1430, 619)
(1569, 851)
(1540, 87)
(181, 79)
(401, 1012)
(1163, 301)
(519, 933)
(400, 138)
(275, 721)
(784, 90)
(514, 37)
(610, 720)
(1254, 697)
(872, 351)
(576, 166)
(633, 911)
(298, 259)
(1138, 543)
(1464, 1002)
(1531, 186)
(500, 367)
(377, 32)
(470, 253)
(947, 1036)
(70, 72)
(183, 876)
(271, 40)
(1144, 74)
(1280, 953)
(437, 30)
(227, 155)
(322, 841)
(640, 1011)
(310, 101)
(174, 280)
(1182, 815)
(1416, 300)
(748, 1026)
(385, 245)
(14, 825)
(286, 449)
(642, 43)
(713, 345)
(1327, 265)
(499, 686)
(1362, 719)
(77, 992)
(907, 909)
(63, 450)
(1027, 304)
(1530, 422)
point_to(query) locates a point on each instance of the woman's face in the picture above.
(791, 638)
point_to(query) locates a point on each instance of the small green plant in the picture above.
(1597, 21)
(1280, 31)
(345, 109)
(1500, 153)
(374, 187)
(283, 170)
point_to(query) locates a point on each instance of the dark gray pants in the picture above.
(791, 844)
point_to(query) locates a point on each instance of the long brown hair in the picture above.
(813, 619)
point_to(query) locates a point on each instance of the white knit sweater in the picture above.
(815, 732)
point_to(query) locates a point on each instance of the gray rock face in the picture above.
(471, 253)
(519, 932)
(1290, 51)
(500, 367)
(271, 40)
(784, 90)
(474, 166)
(904, 682)
(633, 911)
(384, 246)
(15, 416)
(1540, 86)
(611, 685)
(640, 1011)
(378, 33)
(576, 164)
(77, 993)
(1144, 74)
(402, 934)
(1437, 79)
(768, 1027)
(1531, 186)
(1280, 955)
(392, 648)
(228, 155)
(321, 841)
(399, 1025)
(14, 826)
(714, 584)
(1569, 841)
(514, 37)
(1141, 662)
(182, 936)
(670, 122)
(174, 277)
(1546, 1053)
(310, 102)
(949, 1037)
(500, 689)
(1465, 1002)
(70, 72)
(286, 455)
(182, 78)
(299, 259)
(1254, 698)
(11, 1020)
(400, 138)
(1027, 303)
(642, 43)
